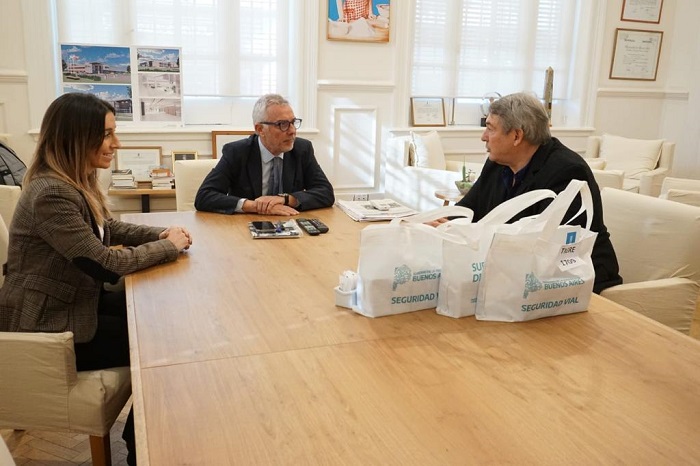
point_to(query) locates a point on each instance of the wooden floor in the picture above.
(34, 448)
(58, 449)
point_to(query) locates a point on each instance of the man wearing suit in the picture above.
(523, 156)
(248, 178)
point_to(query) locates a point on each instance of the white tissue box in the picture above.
(345, 298)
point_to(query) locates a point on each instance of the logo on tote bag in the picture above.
(403, 274)
(532, 284)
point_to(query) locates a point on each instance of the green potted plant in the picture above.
(465, 184)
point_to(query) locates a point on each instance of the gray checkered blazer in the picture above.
(57, 263)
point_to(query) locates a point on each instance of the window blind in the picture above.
(469, 48)
(229, 47)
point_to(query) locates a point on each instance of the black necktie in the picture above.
(276, 177)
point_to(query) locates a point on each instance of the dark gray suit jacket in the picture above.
(239, 175)
(57, 264)
(553, 166)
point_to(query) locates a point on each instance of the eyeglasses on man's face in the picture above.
(283, 125)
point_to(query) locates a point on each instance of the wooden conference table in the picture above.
(240, 356)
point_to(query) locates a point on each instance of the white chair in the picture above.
(189, 175)
(41, 390)
(657, 243)
(5, 457)
(9, 196)
(682, 190)
(645, 163)
(609, 178)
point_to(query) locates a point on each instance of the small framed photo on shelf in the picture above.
(220, 138)
(642, 11)
(636, 54)
(184, 155)
(427, 111)
(141, 160)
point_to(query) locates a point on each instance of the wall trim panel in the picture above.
(333, 85)
(13, 77)
(639, 93)
(342, 143)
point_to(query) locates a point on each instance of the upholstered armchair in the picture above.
(9, 196)
(657, 243)
(189, 175)
(41, 390)
(682, 190)
(609, 178)
(644, 162)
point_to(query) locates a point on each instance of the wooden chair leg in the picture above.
(101, 450)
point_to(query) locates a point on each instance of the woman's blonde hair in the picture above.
(72, 130)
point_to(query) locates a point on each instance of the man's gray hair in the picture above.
(526, 112)
(260, 107)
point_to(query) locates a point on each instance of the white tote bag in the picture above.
(400, 264)
(539, 268)
(463, 261)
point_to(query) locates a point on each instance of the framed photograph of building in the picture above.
(95, 64)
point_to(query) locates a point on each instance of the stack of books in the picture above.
(123, 179)
(375, 210)
(163, 182)
(162, 178)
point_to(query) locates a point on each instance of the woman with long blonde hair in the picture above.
(59, 254)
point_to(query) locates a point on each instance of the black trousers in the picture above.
(110, 348)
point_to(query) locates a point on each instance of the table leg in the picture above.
(145, 203)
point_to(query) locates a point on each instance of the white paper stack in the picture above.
(123, 179)
(163, 182)
(374, 210)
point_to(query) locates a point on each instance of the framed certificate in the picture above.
(140, 160)
(642, 11)
(427, 111)
(636, 54)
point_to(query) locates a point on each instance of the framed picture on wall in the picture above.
(358, 20)
(140, 160)
(427, 111)
(642, 11)
(636, 54)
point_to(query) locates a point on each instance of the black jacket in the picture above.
(239, 175)
(551, 167)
